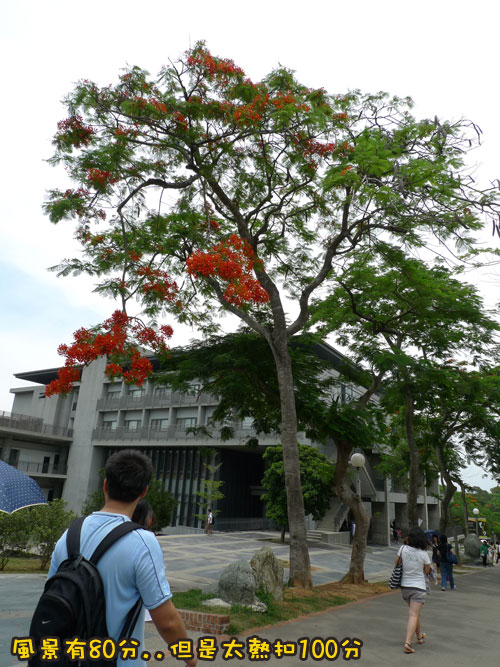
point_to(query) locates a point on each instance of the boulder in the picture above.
(268, 573)
(216, 602)
(471, 548)
(237, 583)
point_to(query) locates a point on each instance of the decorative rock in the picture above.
(216, 602)
(237, 583)
(268, 573)
(471, 547)
(259, 606)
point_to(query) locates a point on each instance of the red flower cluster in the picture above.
(159, 106)
(233, 261)
(118, 339)
(100, 178)
(214, 66)
(180, 120)
(283, 99)
(72, 132)
(124, 131)
(157, 284)
(317, 148)
(251, 113)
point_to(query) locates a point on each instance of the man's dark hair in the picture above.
(128, 473)
(417, 539)
(443, 539)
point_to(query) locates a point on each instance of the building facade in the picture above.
(63, 442)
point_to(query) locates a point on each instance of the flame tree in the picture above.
(200, 192)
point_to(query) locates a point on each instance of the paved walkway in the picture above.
(463, 629)
(463, 626)
(196, 560)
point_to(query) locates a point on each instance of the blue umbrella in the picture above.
(17, 490)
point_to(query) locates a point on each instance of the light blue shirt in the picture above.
(132, 567)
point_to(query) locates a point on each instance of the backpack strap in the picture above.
(112, 537)
(73, 537)
(131, 620)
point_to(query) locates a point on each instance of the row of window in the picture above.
(154, 425)
(115, 391)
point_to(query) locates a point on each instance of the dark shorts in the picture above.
(413, 595)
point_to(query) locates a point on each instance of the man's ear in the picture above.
(105, 485)
(144, 492)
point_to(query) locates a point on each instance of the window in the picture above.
(161, 392)
(132, 424)
(159, 424)
(186, 422)
(109, 425)
(114, 392)
(136, 393)
(75, 399)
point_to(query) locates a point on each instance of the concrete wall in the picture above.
(380, 524)
(84, 460)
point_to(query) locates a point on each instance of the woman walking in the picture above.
(416, 564)
(436, 561)
(445, 551)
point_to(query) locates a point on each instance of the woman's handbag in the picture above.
(397, 574)
(452, 558)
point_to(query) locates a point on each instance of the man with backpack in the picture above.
(131, 569)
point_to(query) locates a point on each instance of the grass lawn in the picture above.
(21, 565)
(297, 602)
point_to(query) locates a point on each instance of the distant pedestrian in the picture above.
(395, 534)
(493, 551)
(498, 550)
(416, 564)
(210, 520)
(436, 561)
(445, 551)
(483, 552)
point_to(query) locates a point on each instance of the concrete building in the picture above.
(63, 442)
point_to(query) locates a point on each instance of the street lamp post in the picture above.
(357, 461)
(476, 512)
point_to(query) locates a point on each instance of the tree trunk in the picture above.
(466, 510)
(355, 574)
(300, 565)
(414, 473)
(282, 536)
(450, 489)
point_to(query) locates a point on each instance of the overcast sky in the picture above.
(442, 53)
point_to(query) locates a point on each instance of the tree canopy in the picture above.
(200, 191)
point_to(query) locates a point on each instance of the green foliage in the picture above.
(488, 504)
(15, 533)
(49, 523)
(239, 370)
(210, 491)
(316, 474)
(94, 502)
(163, 504)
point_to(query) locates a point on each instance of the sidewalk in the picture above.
(462, 626)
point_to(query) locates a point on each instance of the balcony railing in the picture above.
(175, 399)
(33, 424)
(169, 433)
(36, 468)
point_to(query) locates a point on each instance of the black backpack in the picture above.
(73, 604)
